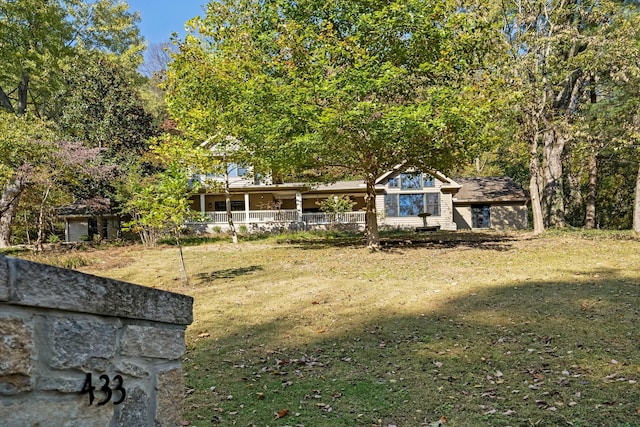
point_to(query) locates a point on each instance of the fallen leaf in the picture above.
(281, 414)
(204, 335)
(260, 396)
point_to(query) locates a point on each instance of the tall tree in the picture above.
(357, 86)
(563, 53)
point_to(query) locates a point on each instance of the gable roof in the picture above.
(489, 189)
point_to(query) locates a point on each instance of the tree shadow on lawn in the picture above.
(229, 273)
(394, 241)
(542, 353)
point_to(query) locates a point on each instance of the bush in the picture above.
(53, 238)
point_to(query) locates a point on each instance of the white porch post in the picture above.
(203, 207)
(299, 205)
(246, 207)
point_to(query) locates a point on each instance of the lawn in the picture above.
(480, 328)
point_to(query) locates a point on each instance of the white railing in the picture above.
(288, 215)
(331, 218)
(221, 217)
(283, 215)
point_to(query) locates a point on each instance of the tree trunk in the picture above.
(371, 232)
(185, 277)
(23, 91)
(534, 187)
(590, 216)
(9, 206)
(227, 199)
(636, 204)
(40, 239)
(5, 102)
(554, 189)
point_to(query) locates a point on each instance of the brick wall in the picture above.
(58, 327)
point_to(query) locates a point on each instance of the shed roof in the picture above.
(489, 189)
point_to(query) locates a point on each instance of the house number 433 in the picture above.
(107, 389)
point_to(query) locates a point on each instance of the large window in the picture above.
(412, 204)
(411, 181)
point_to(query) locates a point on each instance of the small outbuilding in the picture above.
(497, 203)
(87, 219)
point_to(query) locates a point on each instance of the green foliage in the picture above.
(53, 238)
(351, 88)
(39, 37)
(24, 142)
(336, 204)
(103, 107)
(160, 203)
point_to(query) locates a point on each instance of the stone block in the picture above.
(46, 286)
(61, 384)
(46, 412)
(16, 346)
(76, 343)
(131, 369)
(149, 341)
(4, 279)
(134, 411)
(170, 390)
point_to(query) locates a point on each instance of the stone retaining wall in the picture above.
(63, 332)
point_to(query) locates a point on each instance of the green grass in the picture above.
(482, 328)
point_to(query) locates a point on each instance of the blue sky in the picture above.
(160, 18)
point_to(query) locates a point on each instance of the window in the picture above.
(235, 170)
(391, 205)
(236, 205)
(412, 204)
(480, 216)
(410, 181)
(432, 204)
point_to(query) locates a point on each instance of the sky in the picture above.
(160, 18)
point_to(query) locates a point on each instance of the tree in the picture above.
(566, 57)
(160, 203)
(25, 144)
(38, 39)
(67, 163)
(357, 87)
(109, 111)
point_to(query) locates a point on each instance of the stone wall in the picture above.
(63, 332)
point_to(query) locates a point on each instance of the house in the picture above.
(403, 199)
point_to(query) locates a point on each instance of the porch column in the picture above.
(299, 205)
(246, 206)
(203, 207)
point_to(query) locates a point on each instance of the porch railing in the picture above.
(288, 215)
(333, 218)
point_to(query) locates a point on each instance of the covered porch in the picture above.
(258, 208)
